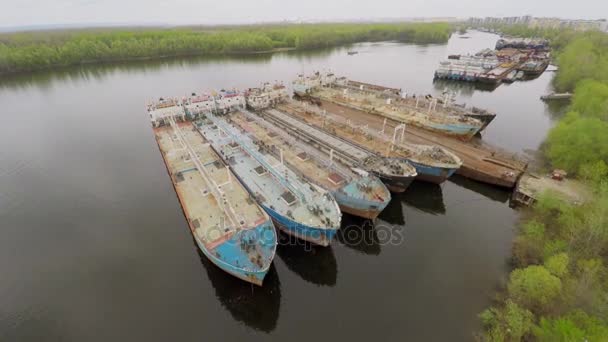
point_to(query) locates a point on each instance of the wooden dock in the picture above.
(481, 162)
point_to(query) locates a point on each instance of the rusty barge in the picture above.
(479, 161)
(230, 229)
(357, 192)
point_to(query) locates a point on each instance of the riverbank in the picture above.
(31, 51)
(558, 289)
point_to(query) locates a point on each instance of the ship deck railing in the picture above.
(354, 152)
(267, 189)
(211, 184)
(419, 151)
(319, 157)
(257, 156)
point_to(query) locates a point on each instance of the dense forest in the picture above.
(28, 51)
(558, 290)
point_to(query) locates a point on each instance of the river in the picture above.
(94, 246)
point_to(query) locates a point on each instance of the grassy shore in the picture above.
(30, 51)
(558, 289)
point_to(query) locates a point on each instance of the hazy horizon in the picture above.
(82, 13)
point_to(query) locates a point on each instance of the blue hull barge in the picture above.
(228, 226)
(389, 103)
(297, 207)
(432, 164)
(357, 192)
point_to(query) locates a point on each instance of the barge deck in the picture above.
(227, 225)
(480, 162)
(357, 193)
(296, 207)
(396, 172)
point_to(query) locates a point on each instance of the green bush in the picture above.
(591, 99)
(37, 50)
(576, 141)
(534, 287)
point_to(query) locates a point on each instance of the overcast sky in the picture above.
(16, 13)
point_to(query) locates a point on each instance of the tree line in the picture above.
(558, 289)
(29, 51)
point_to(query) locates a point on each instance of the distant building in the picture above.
(548, 23)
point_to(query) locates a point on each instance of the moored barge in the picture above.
(297, 207)
(385, 103)
(396, 173)
(433, 164)
(227, 225)
(357, 192)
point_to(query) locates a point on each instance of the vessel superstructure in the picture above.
(268, 95)
(200, 104)
(466, 67)
(228, 100)
(228, 226)
(297, 207)
(356, 191)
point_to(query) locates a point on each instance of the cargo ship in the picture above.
(522, 43)
(341, 91)
(227, 225)
(466, 68)
(396, 173)
(447, 103)
(296, 206)
(534, 67)
(483, 115)
(492, 67)
(357, 192)
(433, 164)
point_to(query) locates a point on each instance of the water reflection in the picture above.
(426, 197)
(255, 306)
(315, 264)
(393, 213)
(557, 108)
(492, 192)
(360, 235)
(45, 78)
(98, 72)
(466, 88)
(308, 55)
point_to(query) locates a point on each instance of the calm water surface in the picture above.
(94, 246)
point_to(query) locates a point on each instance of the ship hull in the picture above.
(358, 206)
(432, 174)
(353, 199)
(319, 236)
(370, 214)
(231, 249)
(254, 277)
(486, 119)
(535, 71)
(396, 184)
(462, 131)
